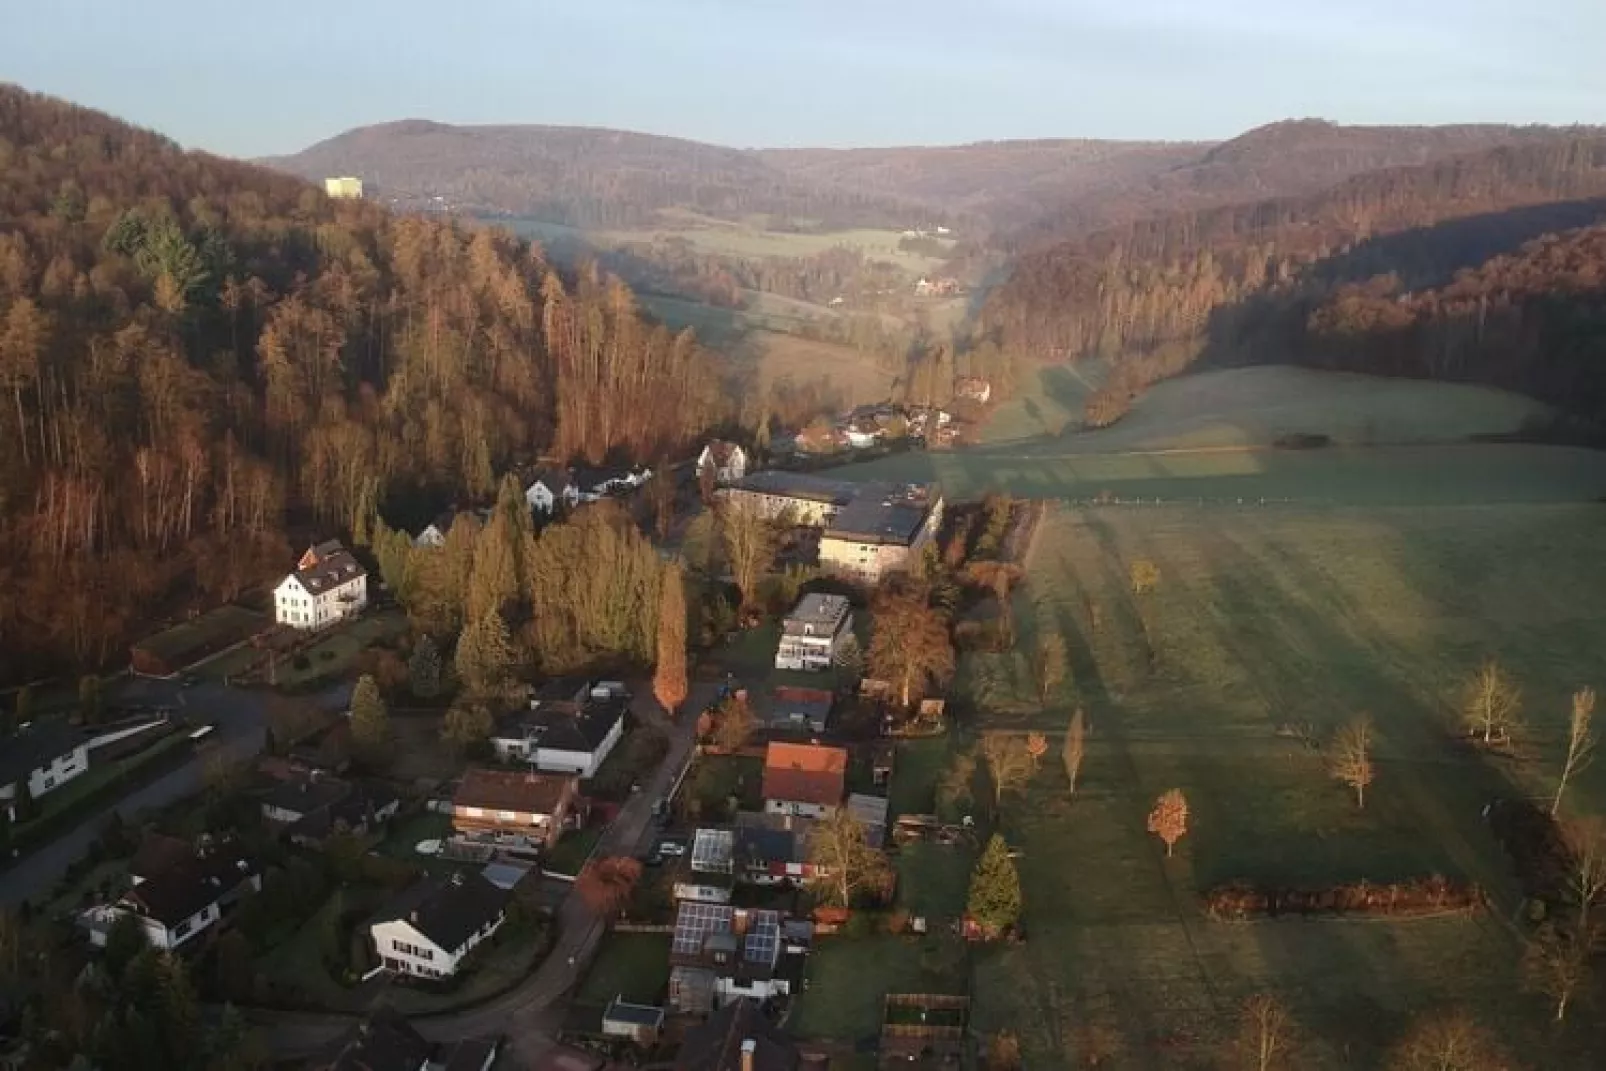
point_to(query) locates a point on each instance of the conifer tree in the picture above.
(370, 721)
(424, 668)
(485, 657)
(995, 897)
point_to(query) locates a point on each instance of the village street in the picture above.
(240, 717)
(528, 1016)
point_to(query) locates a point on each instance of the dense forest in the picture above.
(1156, 294)
(200, 359)
(1533, 321)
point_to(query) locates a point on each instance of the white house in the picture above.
(727, 459)
(328, 586)
(565, 736)
(595, 484)
(44, 755)
(183, 899)
(549, 488)
(438, 922)
(434, 533)
(814, 633)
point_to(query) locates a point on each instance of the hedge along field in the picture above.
(1265, 621)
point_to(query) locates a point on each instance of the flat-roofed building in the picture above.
(882, 530)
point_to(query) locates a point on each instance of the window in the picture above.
(474, 812)
(50, 782)
(181, 929)
(506, 816)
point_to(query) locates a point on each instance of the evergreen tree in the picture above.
(485, 658)
(370, 721)
(424, 668)
(669, 685)
(24, 807)
(995, 898)
(125, 941)
(22, 707)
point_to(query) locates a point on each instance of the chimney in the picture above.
(749, 1050)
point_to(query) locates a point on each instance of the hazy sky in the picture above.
(258, 78)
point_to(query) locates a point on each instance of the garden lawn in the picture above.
(634, 966)
(572, 850)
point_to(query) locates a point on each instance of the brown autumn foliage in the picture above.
(1425, 896)
(1266, 280)
(1169, 818)
(192, 349)
(669, 684)
(606, 884)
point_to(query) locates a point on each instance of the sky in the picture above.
(259, 79)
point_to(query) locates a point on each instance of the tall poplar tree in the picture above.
(669, 684)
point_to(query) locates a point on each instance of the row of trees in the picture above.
(191, 348)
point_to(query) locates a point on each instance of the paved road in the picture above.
(529, 1016)
(240, 717)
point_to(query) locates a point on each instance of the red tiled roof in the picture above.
(805, 773)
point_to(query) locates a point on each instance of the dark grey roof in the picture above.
(449, 910)
(179, 891)
(562, 730)
(36, 746)
(334, 565)
(620, 1011)
(554, 480)
(306, 795)
(382, 1042)
(758, 846)
(717, 1044)
(821, 611)
(874, 518)
(798, 485)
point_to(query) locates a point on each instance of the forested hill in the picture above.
(1024, 192)
(1285, 159)
(193, 349)
(1157, 292)
(581, 176)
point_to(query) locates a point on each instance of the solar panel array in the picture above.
(711, 851)
(763, 937)
(694, 923)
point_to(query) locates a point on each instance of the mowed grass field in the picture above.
(1298, 589)
(1266, 619)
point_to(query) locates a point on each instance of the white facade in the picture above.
(798, 809)
(403, 949)
(734, 468)
(692, 889)
(541, 498)
(299, 608)
(431, 536)
(48, 778)
(812, 642)
(584, 764)
(728, 989)
(158, 933)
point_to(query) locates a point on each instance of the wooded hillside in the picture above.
(193, 350)
(1157, 293)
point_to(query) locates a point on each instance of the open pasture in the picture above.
(1268, 628)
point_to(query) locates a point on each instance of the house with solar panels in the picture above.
(720, 954)
(707, 874)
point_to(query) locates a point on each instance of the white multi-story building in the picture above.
(43, 755)
(328, 586)
(814, 632)
(437, 923)
(883, 530)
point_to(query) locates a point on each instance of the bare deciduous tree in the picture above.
(1265, 1039)
(1448, 1041)
(1009, 763)
(1350, 757)
(1586, 840)
(844, 861)
(606, 884)
(1169, 818)
(958, 781)
(749, 540)
(1049, 665)
(1075, 747)
(910, 645)
(1490, 704)
(1580, 743)
(1557, 965)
